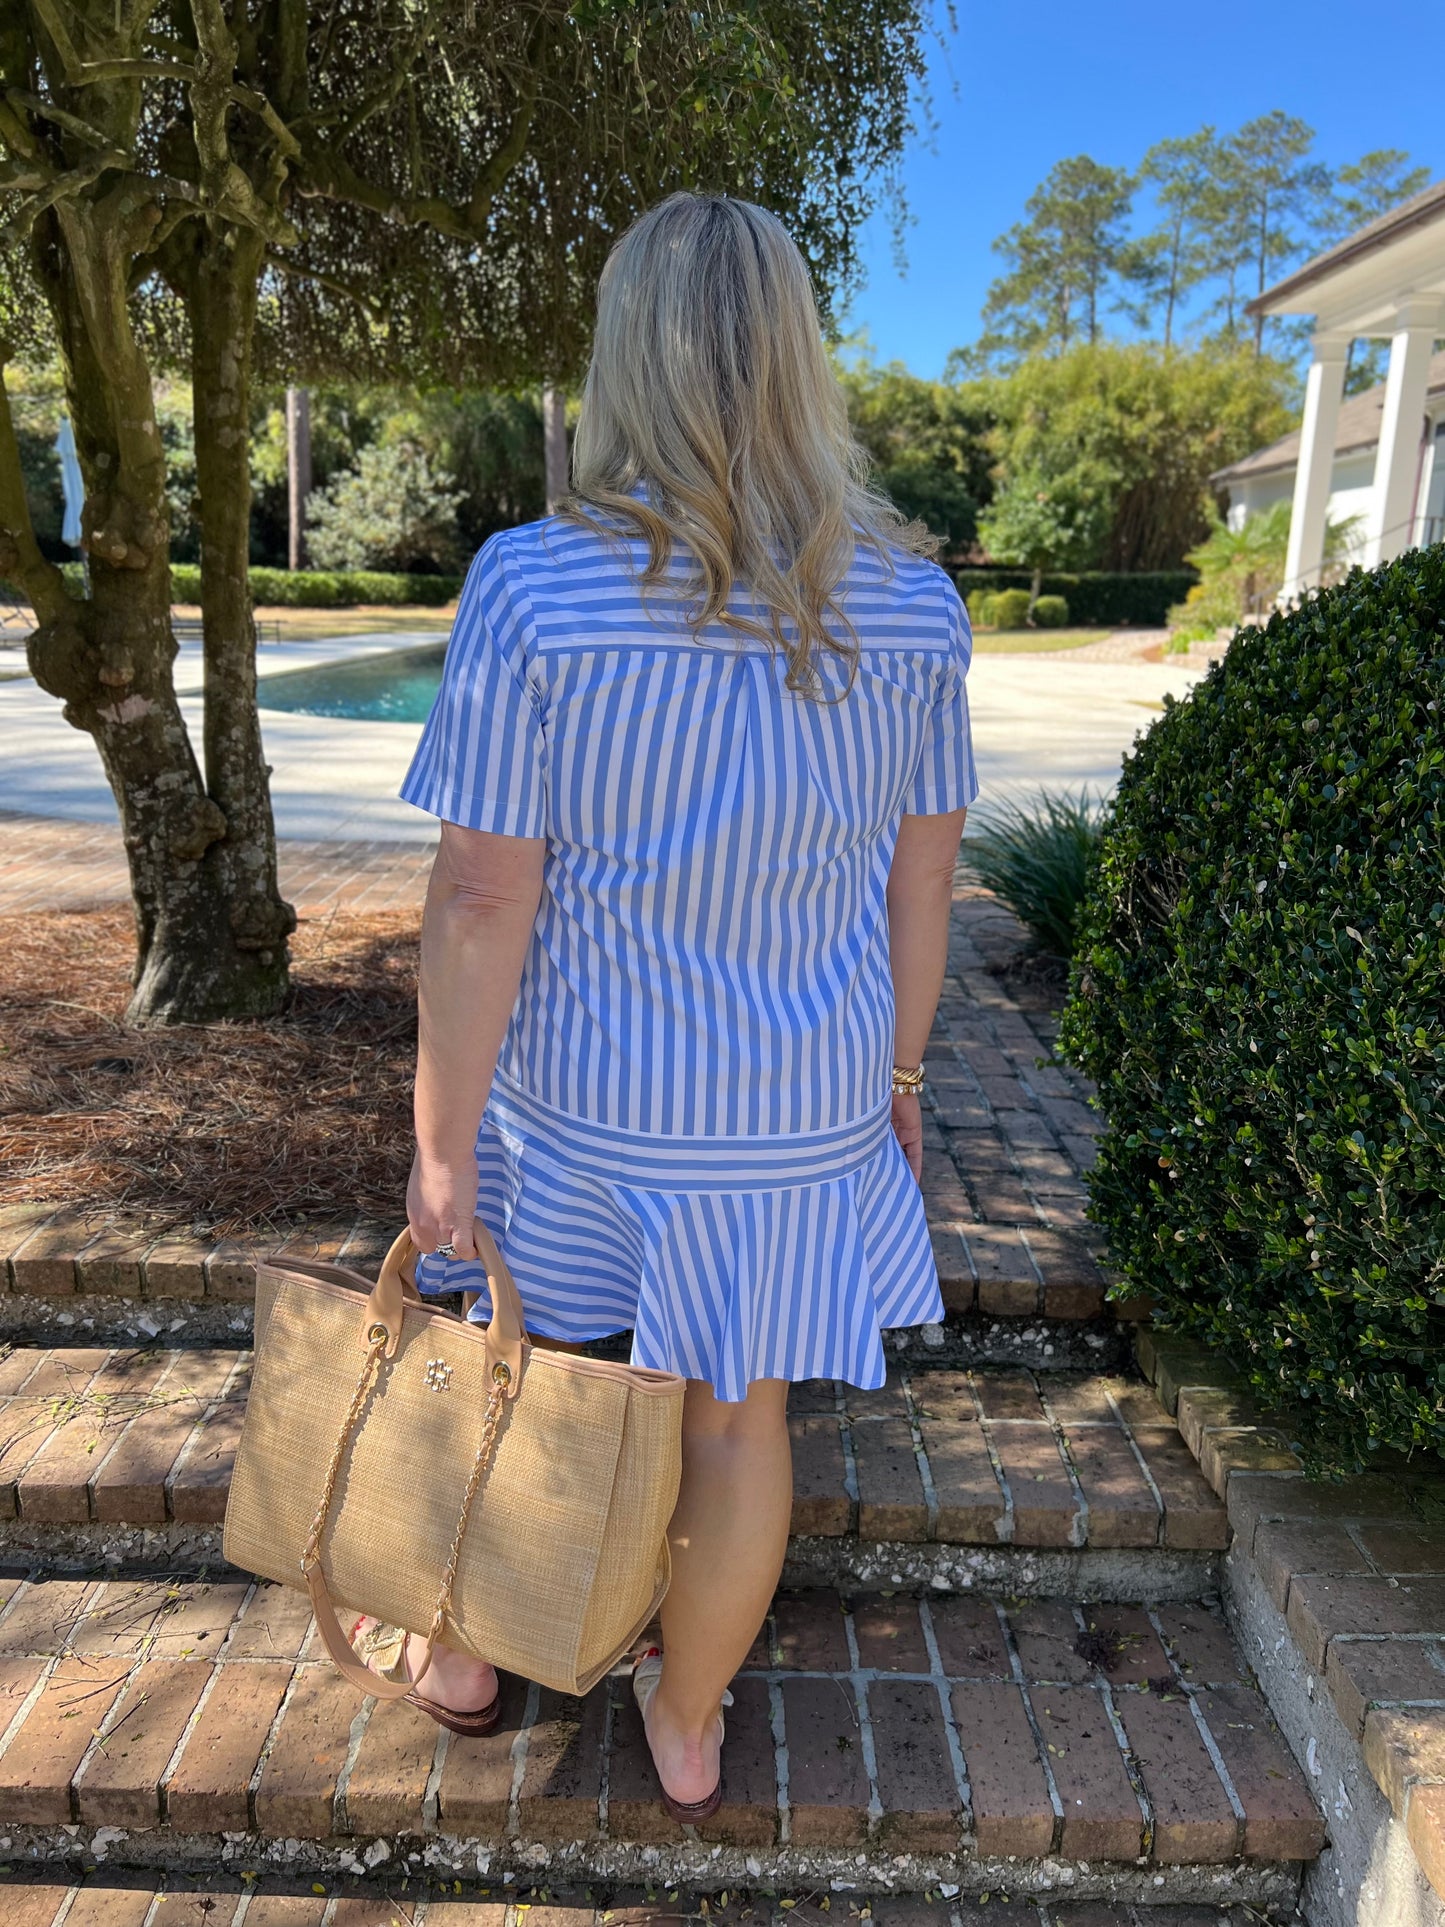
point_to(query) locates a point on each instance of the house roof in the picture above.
(1421, 210)
(1358, 428)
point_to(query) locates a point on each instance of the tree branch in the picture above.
(332, 177)
(293, 76)
(210, 90)
(295, 272)
(24, 175)
(50, 18)
(19, 552)
(72, 123)
(492, 178)
(228, 187)
(19, 139)
(347, 121)
(326, 172)
(95, 71)
(63, 187)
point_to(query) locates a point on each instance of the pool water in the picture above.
(398, 687)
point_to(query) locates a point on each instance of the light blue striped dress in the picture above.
(689, 1134)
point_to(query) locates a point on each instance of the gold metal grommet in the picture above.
(377, 1332)
(501, 1373)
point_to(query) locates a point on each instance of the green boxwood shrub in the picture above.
(1010, 608)
(1051, 612)
(1259, 993)
(1098, 599)
(326, 588)
(980, 609)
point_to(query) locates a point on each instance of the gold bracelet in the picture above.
(907, 1083)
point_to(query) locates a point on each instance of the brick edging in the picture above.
(54, 1251)
(1354, 1567)
(61, 1250)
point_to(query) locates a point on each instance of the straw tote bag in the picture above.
(449, 1478)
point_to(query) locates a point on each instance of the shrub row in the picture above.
(326, 588)
(1098, 599)
(1009, 609)
(1259, 993)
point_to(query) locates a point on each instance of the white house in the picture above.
(1269, 474)
(1381, 455)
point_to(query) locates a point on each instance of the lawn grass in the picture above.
(308, 625)
(1029, 642)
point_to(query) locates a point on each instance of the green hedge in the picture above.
(1259, 993)
(300, 588)
(326, 588)
(1097, 600)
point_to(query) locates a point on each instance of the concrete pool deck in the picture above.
(1038, 723)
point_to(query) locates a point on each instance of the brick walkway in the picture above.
(51, 864)
(270, 1901)
(898, 1731)
(141, 1437)
(1115, 1734)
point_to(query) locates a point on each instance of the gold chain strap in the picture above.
(311, 1555)
(501, 1378)
(312, 1552)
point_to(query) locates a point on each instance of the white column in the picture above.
(554, 444)
(298, 473)
(1313, 477)
(1430, 461)
(1397, 460)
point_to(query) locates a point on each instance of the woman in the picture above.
(701, 756)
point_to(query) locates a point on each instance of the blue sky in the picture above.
(1018, 87)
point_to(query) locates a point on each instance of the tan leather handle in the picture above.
(343, 1656)
(395, 1287)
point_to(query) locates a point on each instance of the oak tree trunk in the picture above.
(210, 927)
(223, 296)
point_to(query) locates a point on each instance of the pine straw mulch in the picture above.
(245, 1128)
(235, 1128)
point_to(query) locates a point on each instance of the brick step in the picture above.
(963, 1340)
(1119, 1752)
(66, 1267)
(1034, 1482)
(273, 1901)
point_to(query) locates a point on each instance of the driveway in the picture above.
(1048, 723)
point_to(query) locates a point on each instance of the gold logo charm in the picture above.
(438, 1374)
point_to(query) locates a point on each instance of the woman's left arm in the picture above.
(481, 906)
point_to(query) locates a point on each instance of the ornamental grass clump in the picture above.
(1035, 857)
(1259, 994)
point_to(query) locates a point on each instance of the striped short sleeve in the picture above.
(945, 778)
(482, 758)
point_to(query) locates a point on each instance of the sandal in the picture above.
(383, 1649)
(646, 1672)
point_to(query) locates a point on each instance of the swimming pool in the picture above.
(398, 687)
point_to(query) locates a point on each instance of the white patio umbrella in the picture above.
(70, 481)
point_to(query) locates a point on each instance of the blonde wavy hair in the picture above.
(710, 383)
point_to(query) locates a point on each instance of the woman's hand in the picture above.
(908, 1129)
(441, 1202)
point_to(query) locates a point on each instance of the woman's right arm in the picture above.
(919, 897)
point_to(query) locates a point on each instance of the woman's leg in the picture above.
(729, 1535)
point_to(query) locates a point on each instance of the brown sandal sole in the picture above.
(689, 1815)
(471, 1726)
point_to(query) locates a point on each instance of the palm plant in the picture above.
(1241, 571)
